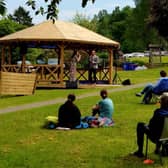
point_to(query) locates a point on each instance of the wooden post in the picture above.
(23, 63)
(110, 65)
(23, 51)
(2, 63)
(61, 63)
(2, 57)
(10, 55)
(58, 53)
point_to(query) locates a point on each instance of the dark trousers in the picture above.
(142, 129)
(92, 71)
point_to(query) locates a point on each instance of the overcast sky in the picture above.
(68, 8)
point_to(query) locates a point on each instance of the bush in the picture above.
(139, 62)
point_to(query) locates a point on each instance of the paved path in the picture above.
(60, 100)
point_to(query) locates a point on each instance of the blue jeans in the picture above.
(147, 91)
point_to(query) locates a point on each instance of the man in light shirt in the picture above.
(93, 66)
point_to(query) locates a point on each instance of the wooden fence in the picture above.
(17, 83)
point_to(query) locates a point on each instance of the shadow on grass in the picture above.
(9, 96)
(132, 161)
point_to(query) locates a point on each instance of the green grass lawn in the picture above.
(24, 144)
(136, 77)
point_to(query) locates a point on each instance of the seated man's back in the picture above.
(161, 87)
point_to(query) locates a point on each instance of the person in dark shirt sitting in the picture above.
(154, 128)
(69, 114)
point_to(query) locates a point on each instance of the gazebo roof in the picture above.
(60, 31)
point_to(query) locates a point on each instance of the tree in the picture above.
(7, 27)
(118, 22)
(113, 25)
(84, 2)
(103, 23)
(158, 17)
(51, 10)
(85, 21)
(138, 34)
(21, 16)
(2, 7)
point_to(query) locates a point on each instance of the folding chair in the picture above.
(154, 99)
(163, 139)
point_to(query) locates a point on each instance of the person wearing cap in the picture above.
(154, 128)
(69, 114)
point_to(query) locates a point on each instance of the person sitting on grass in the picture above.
(104, 110)
(69, 114)
(160, 87)
(154, 128)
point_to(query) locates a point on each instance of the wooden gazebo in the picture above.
(60, 36)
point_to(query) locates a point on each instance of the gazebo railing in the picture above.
(50, 74)
(82, 74)
(10, 68)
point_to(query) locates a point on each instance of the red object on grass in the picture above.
(148, 161)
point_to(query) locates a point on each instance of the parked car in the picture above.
(52, 61)
(134, 54)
